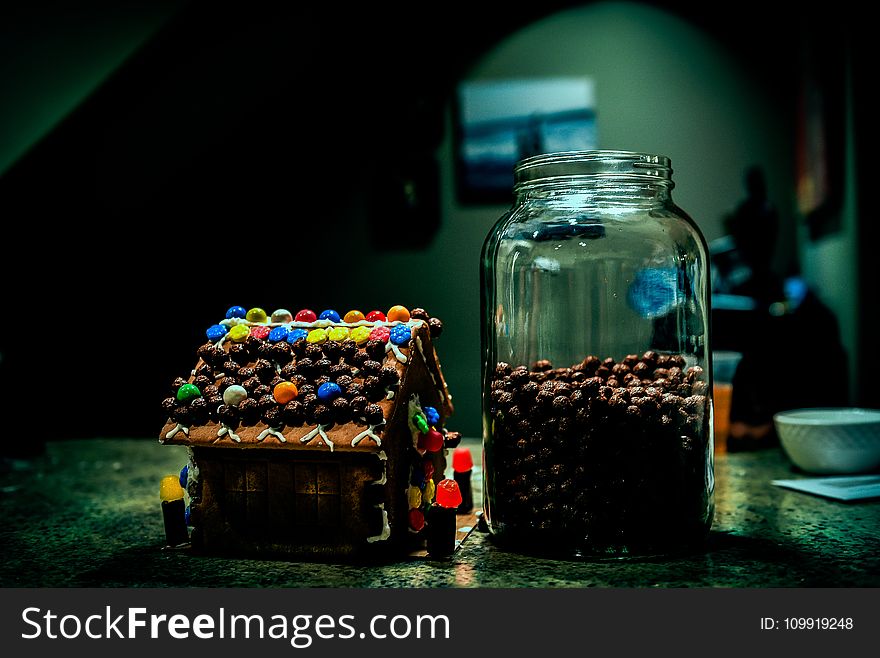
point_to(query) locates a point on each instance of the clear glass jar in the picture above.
(597, 408)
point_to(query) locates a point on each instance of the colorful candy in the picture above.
(398, 314)
(360, 335)
(380, 333)
(184, 473)
(170, 489)
(282, 315)
(375, 316)
(236, 312)
(296, 334)
(448, 494)
(188, 392)
(354, 316)
(329, 391)
(260, 332)
(284, 392)
(256, 314)
(278, 334)
(428, 468)
(306, 315)
(414, 497)
(421, 423)
(317, 336)
(432, 441)
(416, 520)
(234, 395)
(338, 334)
(239, 333)
(400, 334)
(432, 415)
(331, 315)
(462, 460)
(215, 332)
(428, 493)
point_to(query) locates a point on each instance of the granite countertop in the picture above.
(86, 514)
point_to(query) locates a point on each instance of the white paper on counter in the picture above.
(857, 487)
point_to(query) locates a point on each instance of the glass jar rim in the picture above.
(631, 165)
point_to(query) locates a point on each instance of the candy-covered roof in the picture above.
(304, 381)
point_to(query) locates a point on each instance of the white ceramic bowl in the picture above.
(830, 441)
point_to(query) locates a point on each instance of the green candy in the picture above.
(187, 392)
(419, 421)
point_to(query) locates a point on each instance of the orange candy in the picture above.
(398, 314)
(284, 392)
(353, 316)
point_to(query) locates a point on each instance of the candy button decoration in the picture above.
(375, 316)
(416, 520)
(360, 335)
(296, 334)
(188, 392)
(256, 314)
(380, 333)
(278, 334)
(428, 468)
(239, 333)
(234, 395)
(184, 473)
(331, 315)
(398, 314)
(354, 316)
(400, 334)
(284, 392)
(448, 494)
(317, 336)
(170, 489)
(432, 441)
(306, 315)
(338, 334)
(428, 493)
(414, 497)
(432, 415)
(329, 391)
(282, 315)
(236, 312)
(421, 422)
(216, 332)
(260, 332)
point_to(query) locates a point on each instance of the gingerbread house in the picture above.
(312, 435)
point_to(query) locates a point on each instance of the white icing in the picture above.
(226, 430)
(315, 432)
(180, 428)
(271, 432)
(383, 458)
(389, 395)
(386, 527)
(391, 347)
(369, 432)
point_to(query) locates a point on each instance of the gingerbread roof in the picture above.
(306, 382)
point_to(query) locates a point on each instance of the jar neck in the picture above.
(601, 192)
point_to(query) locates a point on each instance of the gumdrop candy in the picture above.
(448, 494)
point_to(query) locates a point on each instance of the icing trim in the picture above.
(315, 432)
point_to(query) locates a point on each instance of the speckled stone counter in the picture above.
(87, 514)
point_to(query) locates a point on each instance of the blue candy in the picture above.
(333, 316)
(296, 334)
(236, 312)
(400, 334)
(216, 332)
(432, 415)
(186, 516)
(329, 391)
(183, 475)
(278, 334)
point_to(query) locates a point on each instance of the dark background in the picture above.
(199, 170)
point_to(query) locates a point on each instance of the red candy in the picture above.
(462, 460)
(416, 519)
(380, 333)
(375, 316)
(260, 332)
(432, 441)
(448, 494)
(306, 315)
(428, 465)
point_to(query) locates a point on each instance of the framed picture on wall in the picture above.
(498, 122)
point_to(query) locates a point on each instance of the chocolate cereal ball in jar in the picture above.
(597, 408)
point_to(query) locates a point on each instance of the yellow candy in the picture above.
(398, 314)
(239, 332)
(414, 496)
(170, 489)
(256, 314)
(360, 335)
(338, 334)
(353, 316)
(317, 336)
(428, 493)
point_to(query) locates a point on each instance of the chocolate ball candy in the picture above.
(354, 389)
(528, 391)
(209, 390)
(289, 371)
(214, 402)
(419, 314)
(341, 410)
(673, 374)
(307, 389)
(641, 370)
(323, 415)
(205, 351)
(250, 411)
(266, 401)
(261, 390)
(299, 347)
(358, 358)
(647, 405)
(246, 373)
(305, 366)
(662, 361)
(177, 383)
(375, 350)
(373, 414)
(436, 327)
(182, 415)
(374, 393)
(238, 353)
(251, 384)
(358, 404)
(700, 388)
(612, 382)
(389, 375)
(503, 369)
(264, 370)
(264, 351)
(694, 373)
(314, 352)
(347, 349)
(294, 413)
(695, 404)
(372, 367)
(670, 402)
(273, 417)
(320, 381)
(544, 399)
(542, 366)
(199, 409)
(280, 353)
(309, 401)
(562, 405)
(201, 381)
(169, 405)
(332, 350)
(229, 367)
(621, 369)
(226, 382)
(344, 381)
(229, 416)
(322, 366)
(678, 360)
(253, 345)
